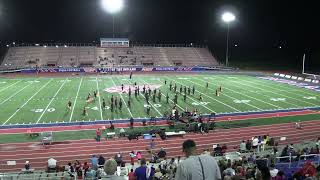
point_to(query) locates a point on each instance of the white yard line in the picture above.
(125, 103)
(248, 96)
(197, 100)
(75, 101)
(216, 100)
(287, 87)
(227, 96)
(14, 94)
(26, 102)
(9, 86)
(99, 98)
(54, 96)
(254, 87)
(281, 94)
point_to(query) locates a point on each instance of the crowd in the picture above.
(209, 165)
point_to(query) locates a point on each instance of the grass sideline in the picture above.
(90, 134)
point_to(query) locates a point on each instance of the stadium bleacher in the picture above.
(83, 56)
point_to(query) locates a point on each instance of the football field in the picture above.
(45, 99)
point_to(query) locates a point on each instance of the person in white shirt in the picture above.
(52, 164)
(202, 167)
(255, 143)
(273, 170)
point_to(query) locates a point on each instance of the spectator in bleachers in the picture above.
(197, 167)
(70, 169)
(157, 174)
(273, 171)
(280, 176)
(308, 170)
(248, 145)
(229, 171)
(110, 168)
(144, 172)
(27, 166)
(218, 150)
(132, 156)
(94, 162)
(101, 161)
(52, 165)
(118, 158)
(78, 168)
(162, 153)
(85, 168)
(255, 144)
(131, 175)
(242, 147)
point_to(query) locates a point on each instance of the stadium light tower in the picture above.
(112, 7)
(228, 17)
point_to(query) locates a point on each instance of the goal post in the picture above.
(315, 76)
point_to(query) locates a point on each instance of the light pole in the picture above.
(112, 7)
(227, 17)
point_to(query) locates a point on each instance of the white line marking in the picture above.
(99, 98)
(14, 94)
(248, 96)
(264, 94)
(228, 97)
(217, 100)
(122, 98)
(45, 110)
(282, 94)
(9, 86)
(75, 100)
(27, 102)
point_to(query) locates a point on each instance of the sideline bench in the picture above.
(180, 133)
(111, 135)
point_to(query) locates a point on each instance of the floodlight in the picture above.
(228, 17)
(14, 43)
(57, 46)
(44, 46)
(7, 45)
(112, 6)
(65, 46)
(36, 44)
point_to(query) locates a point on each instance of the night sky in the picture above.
(261, 25)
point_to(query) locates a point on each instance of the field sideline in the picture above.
(44, 100)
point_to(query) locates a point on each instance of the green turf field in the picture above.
(44, 100)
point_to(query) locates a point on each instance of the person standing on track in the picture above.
(193, 90)
(167, 97)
